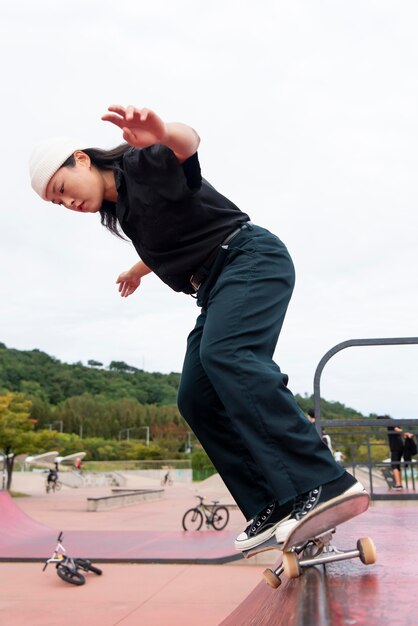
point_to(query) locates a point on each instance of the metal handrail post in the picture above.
(392, 341)
(369, 462)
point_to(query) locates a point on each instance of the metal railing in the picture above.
(407, 467)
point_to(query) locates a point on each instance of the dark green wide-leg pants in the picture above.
(232, 393)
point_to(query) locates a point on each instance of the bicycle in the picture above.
(215, 516)
(67, 568)
(166, 480)
(53, 485)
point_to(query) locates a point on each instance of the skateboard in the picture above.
(310, 542)
(388, 476)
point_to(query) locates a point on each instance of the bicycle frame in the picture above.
(59, 556)
(206, 510)
(68, 568)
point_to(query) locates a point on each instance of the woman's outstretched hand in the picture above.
(140, 127)
(128, 283)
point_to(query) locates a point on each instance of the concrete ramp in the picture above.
(347, 592)
(24, 539)
(266, 606)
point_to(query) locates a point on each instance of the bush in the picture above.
(202, 466)
(96, 448)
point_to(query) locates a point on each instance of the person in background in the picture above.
(396, 447)
(325, 438)
(52, 475)
(396, 438)
(409, 448)
(311, 416)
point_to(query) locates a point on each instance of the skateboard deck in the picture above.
(388, 476)
(320, 523)
(325, 519)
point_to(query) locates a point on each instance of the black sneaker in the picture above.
(345, 486)
(264, 525)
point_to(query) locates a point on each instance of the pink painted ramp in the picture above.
(16, 527)
(24, 539)
(14, 520)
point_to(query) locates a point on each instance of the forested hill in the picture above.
(111, 402)
(37, 374)
(113, 412)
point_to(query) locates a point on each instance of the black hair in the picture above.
(105, 160)
(311, 413)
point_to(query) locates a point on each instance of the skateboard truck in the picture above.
(318, 552)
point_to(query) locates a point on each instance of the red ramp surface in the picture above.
(24, 539)
(348, 592)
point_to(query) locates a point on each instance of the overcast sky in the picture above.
(307, 112)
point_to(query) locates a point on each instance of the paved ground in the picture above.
(67, 508)
(130, 595)
(204, 595)
(149, 595)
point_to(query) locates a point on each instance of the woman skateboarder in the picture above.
(232, 394)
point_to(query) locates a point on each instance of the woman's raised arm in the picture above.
(142, 128)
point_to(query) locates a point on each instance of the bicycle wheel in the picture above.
(70, 575)
(192, 520)
(220, 517)
(58, 485)
(87, 566)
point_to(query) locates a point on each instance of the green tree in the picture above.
(93, 363)
(171, 437)
(14, 423)
(121, 366)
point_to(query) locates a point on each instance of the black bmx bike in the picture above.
(216, 516)
(52, 485)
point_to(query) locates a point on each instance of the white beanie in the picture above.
(47, 157)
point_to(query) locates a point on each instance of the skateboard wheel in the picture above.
(291, 565)
(367, 550)
(271, 578)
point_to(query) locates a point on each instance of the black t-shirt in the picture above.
(174, 218)
(395, 439)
